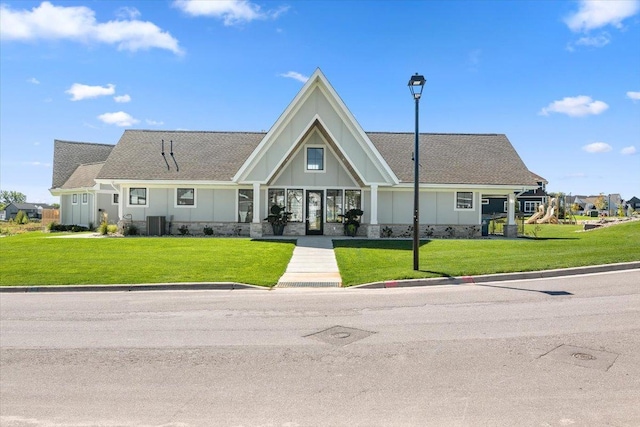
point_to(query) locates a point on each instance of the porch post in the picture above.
(255, 228)
(511, 228)
(373, 229)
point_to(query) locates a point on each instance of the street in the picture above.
(546, 352)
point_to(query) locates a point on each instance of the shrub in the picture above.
(184, 230)
(208, 231)
(112, 228)
(20, 217)
(130, 230)
(104, 228)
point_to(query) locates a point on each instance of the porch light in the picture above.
(416, 84)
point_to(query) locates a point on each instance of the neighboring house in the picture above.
(527, 202)
(32, 210)
(634, 202)
(316, 161)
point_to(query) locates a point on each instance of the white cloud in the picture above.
(295, 75)
(33, 80)
(597, 147)
(635, 96)
(37, 164)
(594, 14)
(153, 122)
(78, 23)
(79, 91)
(122, 98)
(126, 12)
(119, 119)
(232, 12)
(600, 40)
(575, 106)
(628, 151)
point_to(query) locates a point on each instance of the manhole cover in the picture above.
(340, 335)
(585, 357)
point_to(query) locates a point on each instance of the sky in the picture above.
(560, 78)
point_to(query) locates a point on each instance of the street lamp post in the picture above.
(416, 84)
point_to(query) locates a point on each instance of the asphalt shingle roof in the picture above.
(69, 155)
(454, 158)
(200, 156)
(475, 159)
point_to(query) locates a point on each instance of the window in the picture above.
(464, 200)
(276, 197)
(352, 199)
(315, 159)
(245, 205)
(85, 198)
(185, 197)
(74, 199)
(334, 205)
(137, 196)
(531, 206)
(294, 205)
(116, 199)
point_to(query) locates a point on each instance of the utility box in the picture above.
(156, 225)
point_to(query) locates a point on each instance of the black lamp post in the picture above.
(416, 84)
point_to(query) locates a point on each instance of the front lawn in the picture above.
(37, 258)
(556, 246)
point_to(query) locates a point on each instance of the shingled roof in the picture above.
(465, 159)
(200, 156)
(68, 155)
(478, 159)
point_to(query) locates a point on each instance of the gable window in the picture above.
(464, 200)
(74, 199)
(245, 205)
(315, 159)
(116, 199)
(137, 196)
(85, 198)
(185, 197)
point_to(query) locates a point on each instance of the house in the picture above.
(634, 202)
(527, 202)
(315, 161)
(32, 210)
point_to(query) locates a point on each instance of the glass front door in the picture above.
(314, 212)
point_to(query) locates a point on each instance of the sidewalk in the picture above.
(313, 264)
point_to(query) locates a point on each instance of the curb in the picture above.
(130, 288)
(501, 277)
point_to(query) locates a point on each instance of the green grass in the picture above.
(37, 259)
(557, 246)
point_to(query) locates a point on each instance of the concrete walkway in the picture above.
(313, 264)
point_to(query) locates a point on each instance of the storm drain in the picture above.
(340, 335)
(308, 285)
(585, 357)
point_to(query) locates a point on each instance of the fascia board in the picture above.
(166, 183)
(507, 189)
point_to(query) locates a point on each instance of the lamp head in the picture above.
(416, 84)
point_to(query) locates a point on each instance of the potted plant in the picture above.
(278, 218)
(351, 221)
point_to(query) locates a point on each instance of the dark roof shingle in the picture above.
(67, 156)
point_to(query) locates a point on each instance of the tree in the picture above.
(7, 197)
(601, 202)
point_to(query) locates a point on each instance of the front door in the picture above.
(314, 212)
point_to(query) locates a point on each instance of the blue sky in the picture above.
(560, 78)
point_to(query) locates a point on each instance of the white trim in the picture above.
(195, 198)
(146, 190)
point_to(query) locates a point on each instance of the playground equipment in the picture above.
(541, 218)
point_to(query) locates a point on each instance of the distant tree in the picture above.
(7, 197)
(20, 217)
(601, 202)
(575, 207)
(55, 205)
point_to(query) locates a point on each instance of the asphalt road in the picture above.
(548, 352)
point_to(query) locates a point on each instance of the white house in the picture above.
(315, 161)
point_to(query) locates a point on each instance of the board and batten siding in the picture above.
(436, 208)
